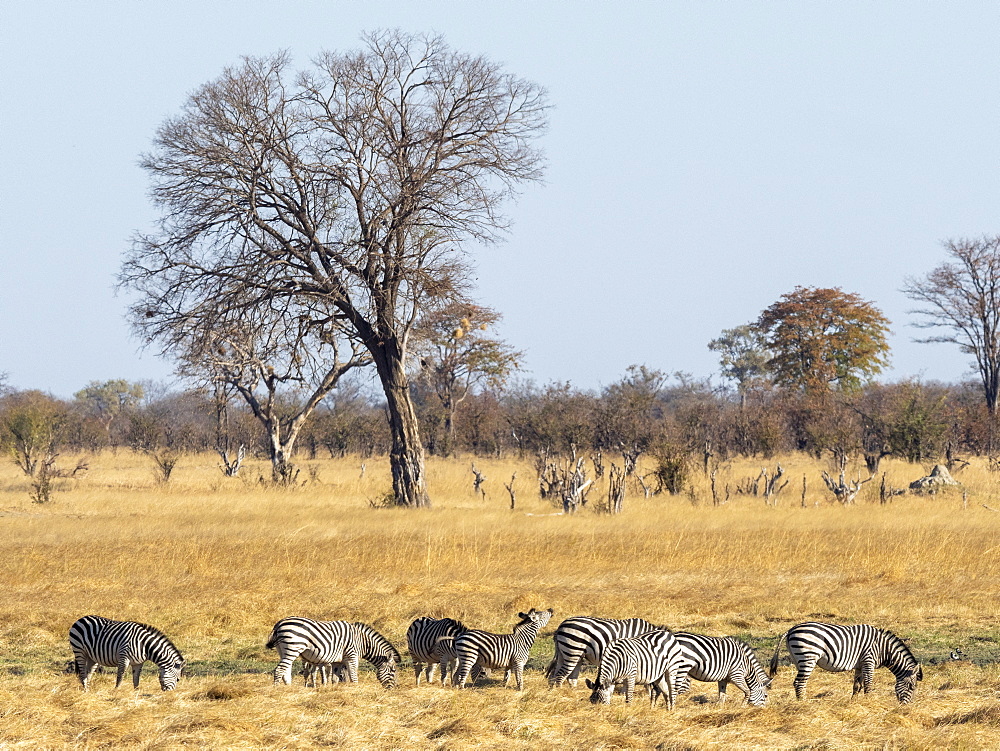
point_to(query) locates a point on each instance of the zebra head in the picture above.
(537, 617)
(906, 683)
(758, 686)
(385, 670)
(170, 673)
(600, 691)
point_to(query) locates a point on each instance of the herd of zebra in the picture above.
(625, 653)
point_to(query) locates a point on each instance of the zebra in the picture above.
(338, 644)
(481, 649)
(838, 648)
(123, 644)
(724, 660)
(584, 638)
(653, 658)
(431, 641)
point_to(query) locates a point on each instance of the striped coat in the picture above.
(861, 648)
(339, 644)
(481, 649)
(123, 644)
(431, 642)
(653, 659)
(583, 639)
(723, 660)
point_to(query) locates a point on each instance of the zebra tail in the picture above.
(772, 669)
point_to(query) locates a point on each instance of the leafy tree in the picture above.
(743, 357)
(822, 338)
(31, 426)
(350, 186)
(962, 299)
(630, 415)
(108, 400)
(457, 355)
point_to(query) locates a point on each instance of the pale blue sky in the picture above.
(704, 158)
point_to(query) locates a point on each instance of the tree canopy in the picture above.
(821, 338)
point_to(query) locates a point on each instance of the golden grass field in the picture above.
(215, 561)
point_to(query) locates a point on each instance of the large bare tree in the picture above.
(351, 185)
(961, 298)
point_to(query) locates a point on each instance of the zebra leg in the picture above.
(658, 688)
(803, 671)
(671, 681)
(122, 667)
(283, 671)
(863, 674)
(654, 691)
(136, 669)
(351, 663)
(418, 669)
(629, 689)
(723, 685)
(85, 669)
(430, 671)
(518, 676)
(574, 674)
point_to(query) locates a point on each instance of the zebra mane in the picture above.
(161, 638)
(900, 645)
(378, 644)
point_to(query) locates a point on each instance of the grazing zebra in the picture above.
(653, 658)
(431, 642)
(724, 660)
(481, 649)
(838, 648)
(583, 638)
(123, 644)
(338, 644)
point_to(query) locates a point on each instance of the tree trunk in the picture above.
(406, 458)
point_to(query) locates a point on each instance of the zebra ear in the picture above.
(590, 684)
(920, 673)
(522, 615)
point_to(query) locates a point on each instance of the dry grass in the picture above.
(215, 561)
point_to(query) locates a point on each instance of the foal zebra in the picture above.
(724, 660)
(338, 644)
(583, 638)
(431, 641)
(481, 649)
(654, 658)
(123, 644)
(838, 648)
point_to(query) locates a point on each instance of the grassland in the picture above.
(215, 561)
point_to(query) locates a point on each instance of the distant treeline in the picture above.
(645, 413)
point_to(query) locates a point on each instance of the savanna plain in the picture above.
(215, 561)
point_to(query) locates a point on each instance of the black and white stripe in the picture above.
(481, 649)
(339, 644)
(723, 660)
(431, 642)
(123, 644)
(582, 638)
(861, 648)
(653, 659)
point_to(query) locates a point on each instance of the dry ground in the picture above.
(215, 561)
